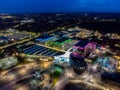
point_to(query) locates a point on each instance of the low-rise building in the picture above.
(3, 40)
(63, 43)
(8, 62)
(45, 38)
(85, 47)
(78, 63)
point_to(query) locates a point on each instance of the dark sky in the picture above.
(27, 6)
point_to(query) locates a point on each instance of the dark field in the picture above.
(107, 27)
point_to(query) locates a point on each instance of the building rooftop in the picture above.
(45, 37)
(77, 59)
(76, 56)
(82, 43)
(63, 40)
(3, 38)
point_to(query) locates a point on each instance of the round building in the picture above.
(77, 62)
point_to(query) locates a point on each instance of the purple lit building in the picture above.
(85, 47)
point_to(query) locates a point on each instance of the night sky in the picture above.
(28, 6)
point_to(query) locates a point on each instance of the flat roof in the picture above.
(4, 38)
(77, 59)
(82, 43)
(63, 40)
(45, 37)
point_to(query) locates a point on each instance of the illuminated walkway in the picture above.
(37, 49)
(51, 48)
(64, 57)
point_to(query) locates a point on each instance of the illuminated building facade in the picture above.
(63, 43)
(45, 38)
(85, 47)
(77, 62)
